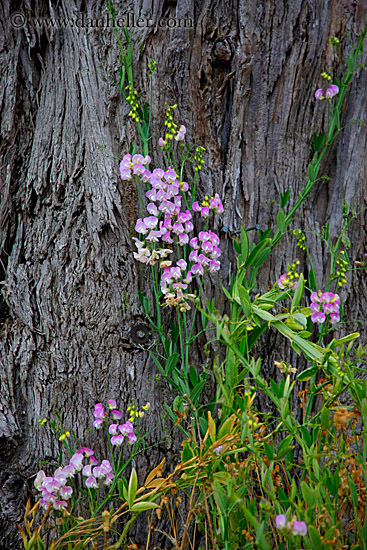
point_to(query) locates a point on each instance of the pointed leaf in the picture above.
(133, 485)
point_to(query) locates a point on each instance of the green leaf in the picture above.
(256, 251)
(318, 141)
(315, 538)
(269, 450)
(171, 363)
(307, 374)
(353, 492)
(325, 417)
(193, 376)
(284, 198)
(261, 257)
(145, 303)
(312, 279)
(298, 293)
(220, 497)
(133, 485)
(308, 494)
(195, 394)
(143, 506)
(244, 244)
(312, 173)
(281, 221)
(284, 447)
(122, 489)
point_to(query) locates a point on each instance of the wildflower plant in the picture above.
(252, 479)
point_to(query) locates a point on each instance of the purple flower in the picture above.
(109, 479)
(204, 211)
(299, 528)
(77, 461)
(86, 451)
(87, 470)
(39, 480)
(280, 521)
(66, 492)
(332, 91)
(197, 269)
(99, 411)
(60, 504)
(283, 281)
(315, 296)
(111, 404)
(91, 482)
(318, 94)
(181, 133)
(183, 239)
(116, 415)
(335, 318)
(318, 317)
(117, 440)
(98, 423)
(315, 307)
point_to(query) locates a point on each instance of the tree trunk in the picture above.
(243, 75)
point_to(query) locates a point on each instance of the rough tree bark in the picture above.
(243, 76)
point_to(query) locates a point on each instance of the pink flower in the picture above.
(99, 411)
(318, 94)
(39, 480)
(87, 470)
(91, 482)
(161, 142)
(60, 504)
(332, 91)
(77, 461)
(204, 211)
(283, 281)
(318, 317)
(183, 239)
(314, 307)
(86, 451)
(112, 430)
(299, 528)
(181, 133)
(66, 492)
(334, 317)
(196, 207)
(109, 479)
(117, 440)
(280, 521)
(197, 269)
(98, 423)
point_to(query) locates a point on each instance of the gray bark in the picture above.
(243, 77)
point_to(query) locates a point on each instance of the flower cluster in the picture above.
(323, 304)
(293, 527)
(168, 224)
(117, 431)
(56, 489)
(198, 158)
(213, 203)
(332, 91)
(289, 279)
(131, 99)
(342, 265)
(135, 165)
(301, 238)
